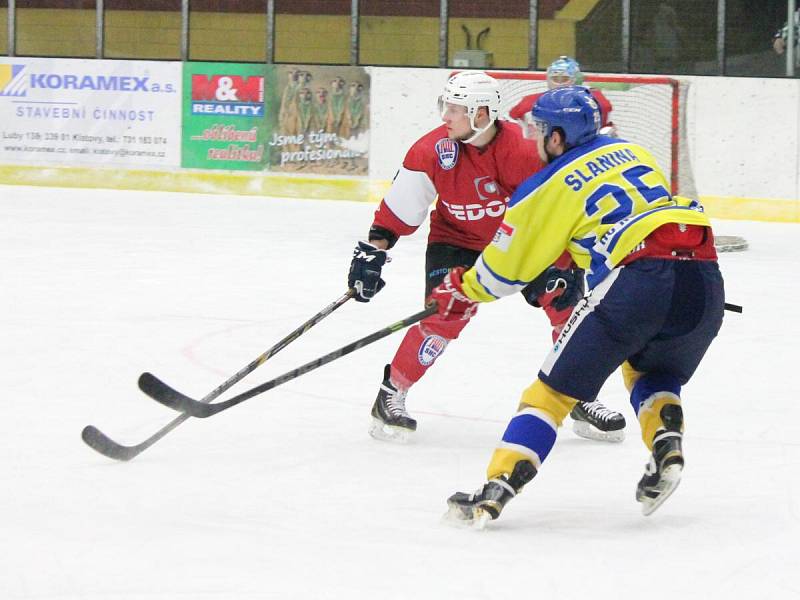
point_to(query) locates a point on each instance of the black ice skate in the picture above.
(390, 421)
(476, 509)
(663, 471)
(593, 421)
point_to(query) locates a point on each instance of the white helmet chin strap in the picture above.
(477, 131)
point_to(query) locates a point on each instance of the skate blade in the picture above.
(389, 433)
(588, 431)
(476, 518)
(670, 478)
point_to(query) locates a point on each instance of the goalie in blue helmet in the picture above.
(562, 72)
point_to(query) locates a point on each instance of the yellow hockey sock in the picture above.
(531, 433)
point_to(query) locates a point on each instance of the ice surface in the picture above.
(286, 496)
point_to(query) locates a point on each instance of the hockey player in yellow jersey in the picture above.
(654, 303)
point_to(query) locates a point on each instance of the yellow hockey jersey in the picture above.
(598, 201)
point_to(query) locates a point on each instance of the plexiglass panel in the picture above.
(598, 35)
(62, 28)
(228, 30)
(399, 33)
(754, 38)
(488, 34)
(147, 29)
(3, 26)
(674, 36)
(309, 31)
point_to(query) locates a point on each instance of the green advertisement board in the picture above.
(284, 118)
(225, 108)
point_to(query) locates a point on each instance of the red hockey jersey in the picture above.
(470, 185)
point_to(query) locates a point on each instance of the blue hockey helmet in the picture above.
(562, 72)
(573, 110)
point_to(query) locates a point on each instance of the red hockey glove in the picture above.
(451, 301)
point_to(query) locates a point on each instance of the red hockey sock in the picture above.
(421, 346)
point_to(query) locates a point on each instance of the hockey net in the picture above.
(649, 111)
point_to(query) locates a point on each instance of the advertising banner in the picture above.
(321, 124)
(224, 116)
(81, 112)
(309, 119)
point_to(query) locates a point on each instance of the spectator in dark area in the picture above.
(657, 43)
(780, 38)
(666, 41)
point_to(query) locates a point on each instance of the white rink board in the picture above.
(742, 132)
(90, 112)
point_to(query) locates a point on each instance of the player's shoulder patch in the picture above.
(502, 237)
(446, 153)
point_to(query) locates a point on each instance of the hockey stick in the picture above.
(733, 308)
(103, 444)
(158, 390)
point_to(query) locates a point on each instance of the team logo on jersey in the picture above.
(486, 188)
(447, 153)
(502, 237)
(431, 347)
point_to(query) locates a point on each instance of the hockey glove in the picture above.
(365, 271)
(452, 303)
(557, 288)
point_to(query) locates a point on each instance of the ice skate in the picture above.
(390, 420)
(663, 471)
(477, 509)
(594, 421)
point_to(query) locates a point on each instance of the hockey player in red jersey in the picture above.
(469, 166)
(563, 72)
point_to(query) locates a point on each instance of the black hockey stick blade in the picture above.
(733, 307)
(100, 442)
(177, 401)
(161, 392)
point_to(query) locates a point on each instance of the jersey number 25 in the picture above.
(622, 196)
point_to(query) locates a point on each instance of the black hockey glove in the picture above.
(560, 288)
(365, 271)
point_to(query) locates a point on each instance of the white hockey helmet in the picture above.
(472, 90)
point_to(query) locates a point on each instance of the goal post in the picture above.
(646, 110)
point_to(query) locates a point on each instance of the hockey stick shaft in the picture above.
(103, 444)
(733, 307)
(177, 401)
(223, 387)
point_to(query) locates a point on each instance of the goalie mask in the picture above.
(562, 72)
(472, 91)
